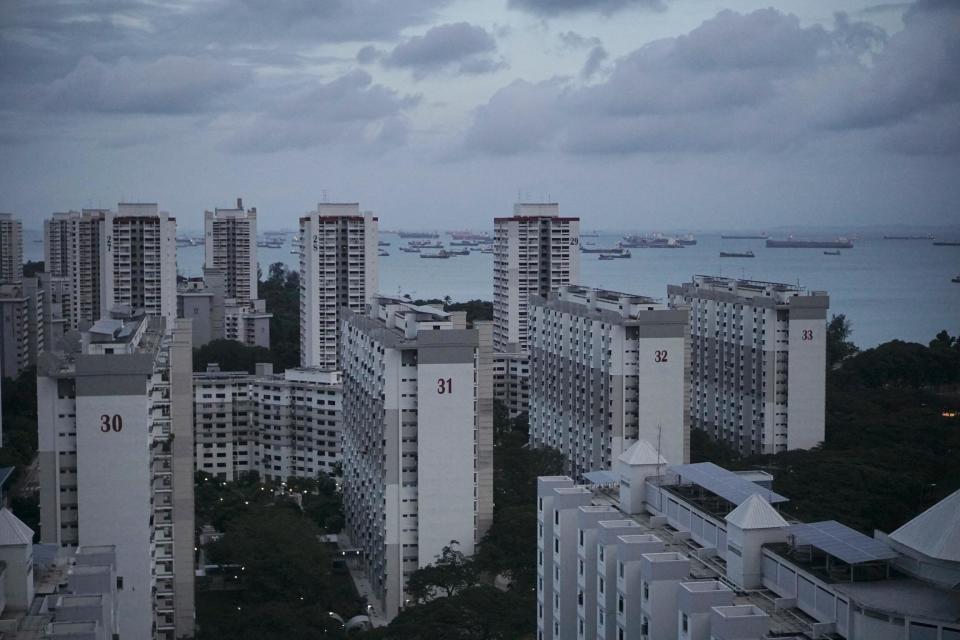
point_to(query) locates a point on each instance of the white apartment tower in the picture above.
(338, 269)
(116, 463)
(535, 252)
(607, 369)
(143, 244)
(78, 255)
(11, 249)
(417, 439)
(231, 247)
(758, 362)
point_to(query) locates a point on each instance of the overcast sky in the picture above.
(639, 114)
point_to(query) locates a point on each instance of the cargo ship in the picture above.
(908, 237)
(947, 243)
(418, 234)
(637, 241)
(790, 243)
(615, 255)
(470, 235)
(601, 249)
(439, 254)
(736, 254)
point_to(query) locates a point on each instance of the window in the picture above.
(646, 590)
(684, 623)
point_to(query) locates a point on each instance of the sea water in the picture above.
(887, 288)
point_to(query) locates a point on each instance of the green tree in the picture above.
(232, 356)
(839, 347)
(476, 613)
(450, 574)
(281, 291)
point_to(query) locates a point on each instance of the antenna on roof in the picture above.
(323, 195)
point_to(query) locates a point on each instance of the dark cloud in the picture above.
(918, 70)
(460, 45)
(549, 8)
(573, 40)
(171, 85)
(369, 54)
(596, 58)
(519, 118)
(45, 39)
(760, 81)
(350, 109)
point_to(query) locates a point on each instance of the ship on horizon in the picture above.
(791, 243)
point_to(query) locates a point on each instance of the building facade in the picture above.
(21, 326)
(338, 270)
(78, 256)
(116, 463)
(417, 439)
(230, 243)
(758, 362)
(11, 249)
(214, 317)
(535, 252)
(280, 426)
(607, 369)
(142, 240)
(669, 559)
(511, 381)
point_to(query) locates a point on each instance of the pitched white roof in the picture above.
(936, 531)
(12, 530)
(756, 513)
(641, 452)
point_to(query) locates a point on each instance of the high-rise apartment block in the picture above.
(11, 249)
(143, 242)
(78, 257)
(417, 439)
(607, 369)
(116, 463)
(280, 426)
(535, 252)
(758, 362)
(338, 270)
(697, 552)
(230, 242)
(21, 326)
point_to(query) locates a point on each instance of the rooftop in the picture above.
(724, 483)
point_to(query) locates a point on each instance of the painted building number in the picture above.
(444, 385)
(806, 334)
(660, 356)
(111, 423)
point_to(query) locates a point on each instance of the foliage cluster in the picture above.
(20, 442)
(287, 582)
